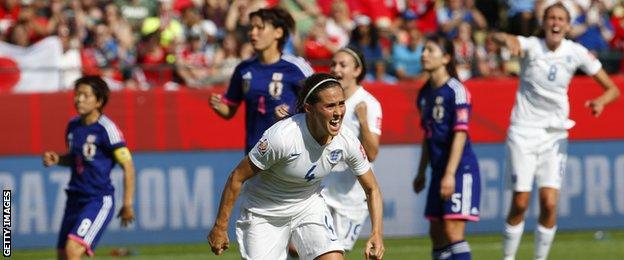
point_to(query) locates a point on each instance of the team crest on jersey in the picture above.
(263, 146)
(438, 109)
(335, 156)
(276, 86)
(246, 82)
(89, 148)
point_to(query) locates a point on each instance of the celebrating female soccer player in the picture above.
(344, 196)
(537, 137)
(454, 190)
(282, 199)
(95, 144)
(269, 82)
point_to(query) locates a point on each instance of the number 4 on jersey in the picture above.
(310, 176)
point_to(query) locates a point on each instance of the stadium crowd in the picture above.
(143, 44)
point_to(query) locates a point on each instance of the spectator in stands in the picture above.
(339, 23)
(135, 11)
(492, 58)
(406, 57)
(122, 33)
(9, 14)
(454, 12)
(521, 19)
(237, 19)
(465, 52)
(171, 31)
(18, 35)
(71, 64)
(305, 12)
(365, 38)
(424, 13)
(319, 47)
(152, 58)
(617, 43)
(192, 65)
(592, 28)
(215, 11)
(226, 59)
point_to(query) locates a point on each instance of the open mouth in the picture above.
(334, 124)
(556, 30)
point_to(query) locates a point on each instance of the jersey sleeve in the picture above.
(587, 61)
(269, 150)
(461, 106)
(113, 136)
(356, 156)
(374, 117)
(525, 42)
(234, 95)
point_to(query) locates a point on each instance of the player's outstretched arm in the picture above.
(124, 158)
(419, 181)
(374, 246)
(610, 94)
(222, 109)
(218, 238)
(509, 41)
(51, 158)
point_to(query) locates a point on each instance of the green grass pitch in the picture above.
(567, 245)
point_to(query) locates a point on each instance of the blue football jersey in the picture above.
(91, 149)
(445, 110)
(263, 87)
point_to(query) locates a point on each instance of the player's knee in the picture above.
(549, 207)
(520, 205)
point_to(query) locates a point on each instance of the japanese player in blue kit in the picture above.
(95, 145)
(454, 190)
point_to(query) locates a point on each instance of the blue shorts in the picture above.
(85, 220)
(464, 203)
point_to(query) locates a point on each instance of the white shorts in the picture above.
(348, 225)
(535, 153)
(263, 237)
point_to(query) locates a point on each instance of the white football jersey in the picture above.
(542, 98)
(293, 165)
(342, 190)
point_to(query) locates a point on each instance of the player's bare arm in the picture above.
(370, 141)
(374, 246)
(419, 181)
(610, 94)
(447, 185)
(124, 158)
(509, 41)
(222, 109)
(218, 238)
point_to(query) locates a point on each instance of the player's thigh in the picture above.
(92, 221)
(261, 237)
(520, 162)
(348, 224)
(552, 163)
(314, 233)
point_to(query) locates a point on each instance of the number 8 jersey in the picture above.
(293, 164)
(91, 149)
(542, 98)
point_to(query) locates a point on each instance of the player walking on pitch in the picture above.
(537, 137)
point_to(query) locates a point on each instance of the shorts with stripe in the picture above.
(85, 220)
(464, 203)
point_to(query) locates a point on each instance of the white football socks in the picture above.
(543, 240)
(512, 237)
